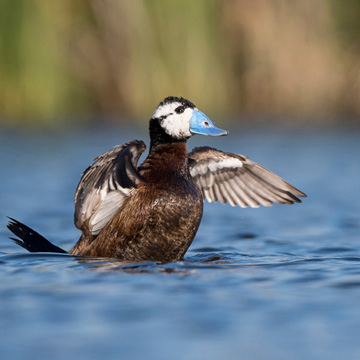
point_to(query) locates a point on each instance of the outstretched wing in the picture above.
(105, 184)
(237, 180)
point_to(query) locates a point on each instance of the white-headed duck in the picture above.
(153, 211)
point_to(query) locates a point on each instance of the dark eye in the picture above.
(180, 109)
(206, 124)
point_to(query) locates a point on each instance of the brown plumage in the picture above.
(153, 211)
(160, 218)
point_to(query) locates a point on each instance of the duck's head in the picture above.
(178, 119)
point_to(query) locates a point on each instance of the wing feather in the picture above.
(105, 184)
(235, 179)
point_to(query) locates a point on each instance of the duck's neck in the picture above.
(166, 154)
(169, 158)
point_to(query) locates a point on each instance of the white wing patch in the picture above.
(105, 184)
(224, 163)
(109, 206)
(234, 179)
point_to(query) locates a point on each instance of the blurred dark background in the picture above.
(65, 62)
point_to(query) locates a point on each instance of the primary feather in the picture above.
(234, 179)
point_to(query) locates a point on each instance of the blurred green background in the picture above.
(65, 61)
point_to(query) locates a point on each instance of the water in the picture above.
(268, 283)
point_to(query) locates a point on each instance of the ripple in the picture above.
(246, 236)
(207, 249)
(329, 250)
(347, 284)
(350, 223)
(220, 259)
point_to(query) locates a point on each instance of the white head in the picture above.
(180, 119)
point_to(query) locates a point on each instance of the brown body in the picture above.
(159, 220)
(152, 212)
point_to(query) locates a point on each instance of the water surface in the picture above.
(268, 283)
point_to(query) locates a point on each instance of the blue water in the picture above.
(268, 283)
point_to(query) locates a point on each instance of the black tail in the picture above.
(30, 239)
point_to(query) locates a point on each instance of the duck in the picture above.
(152, 211)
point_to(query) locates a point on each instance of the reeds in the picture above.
(60, 58)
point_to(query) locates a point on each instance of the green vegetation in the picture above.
(62, 59)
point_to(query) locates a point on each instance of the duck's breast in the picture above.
(161, 222)
(156, 223)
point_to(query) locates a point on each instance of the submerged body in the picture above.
(152, 212)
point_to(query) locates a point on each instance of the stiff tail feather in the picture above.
(30, 239)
